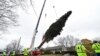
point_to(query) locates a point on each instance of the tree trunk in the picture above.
(43, 41)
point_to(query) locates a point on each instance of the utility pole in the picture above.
(35, 31)
(18, 43)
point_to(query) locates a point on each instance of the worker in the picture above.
(80, 49)
(25, 52)
(13, 53)
(4, 53)
(96, 48)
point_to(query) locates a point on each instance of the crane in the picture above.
(35, 30)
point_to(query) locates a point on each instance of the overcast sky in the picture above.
(83, 23)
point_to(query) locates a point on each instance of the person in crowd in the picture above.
(96, 48)
(80, 49)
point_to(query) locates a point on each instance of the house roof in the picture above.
(72, 48)
(53, 48)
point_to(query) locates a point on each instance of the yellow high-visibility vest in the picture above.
(4, 53)
(25, 52)
(13, 53)
(80, 49)
(96, 47)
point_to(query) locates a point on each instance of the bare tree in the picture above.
(60, 41)
(71, 40)
(8, 17)
(13, 46)
(67, 41)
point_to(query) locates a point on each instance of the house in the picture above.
(60, 49)
(54, 49)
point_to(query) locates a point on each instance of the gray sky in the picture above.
(83, 23)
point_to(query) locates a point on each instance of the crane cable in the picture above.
(55, 11)
(33, 8)
(54, 8)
